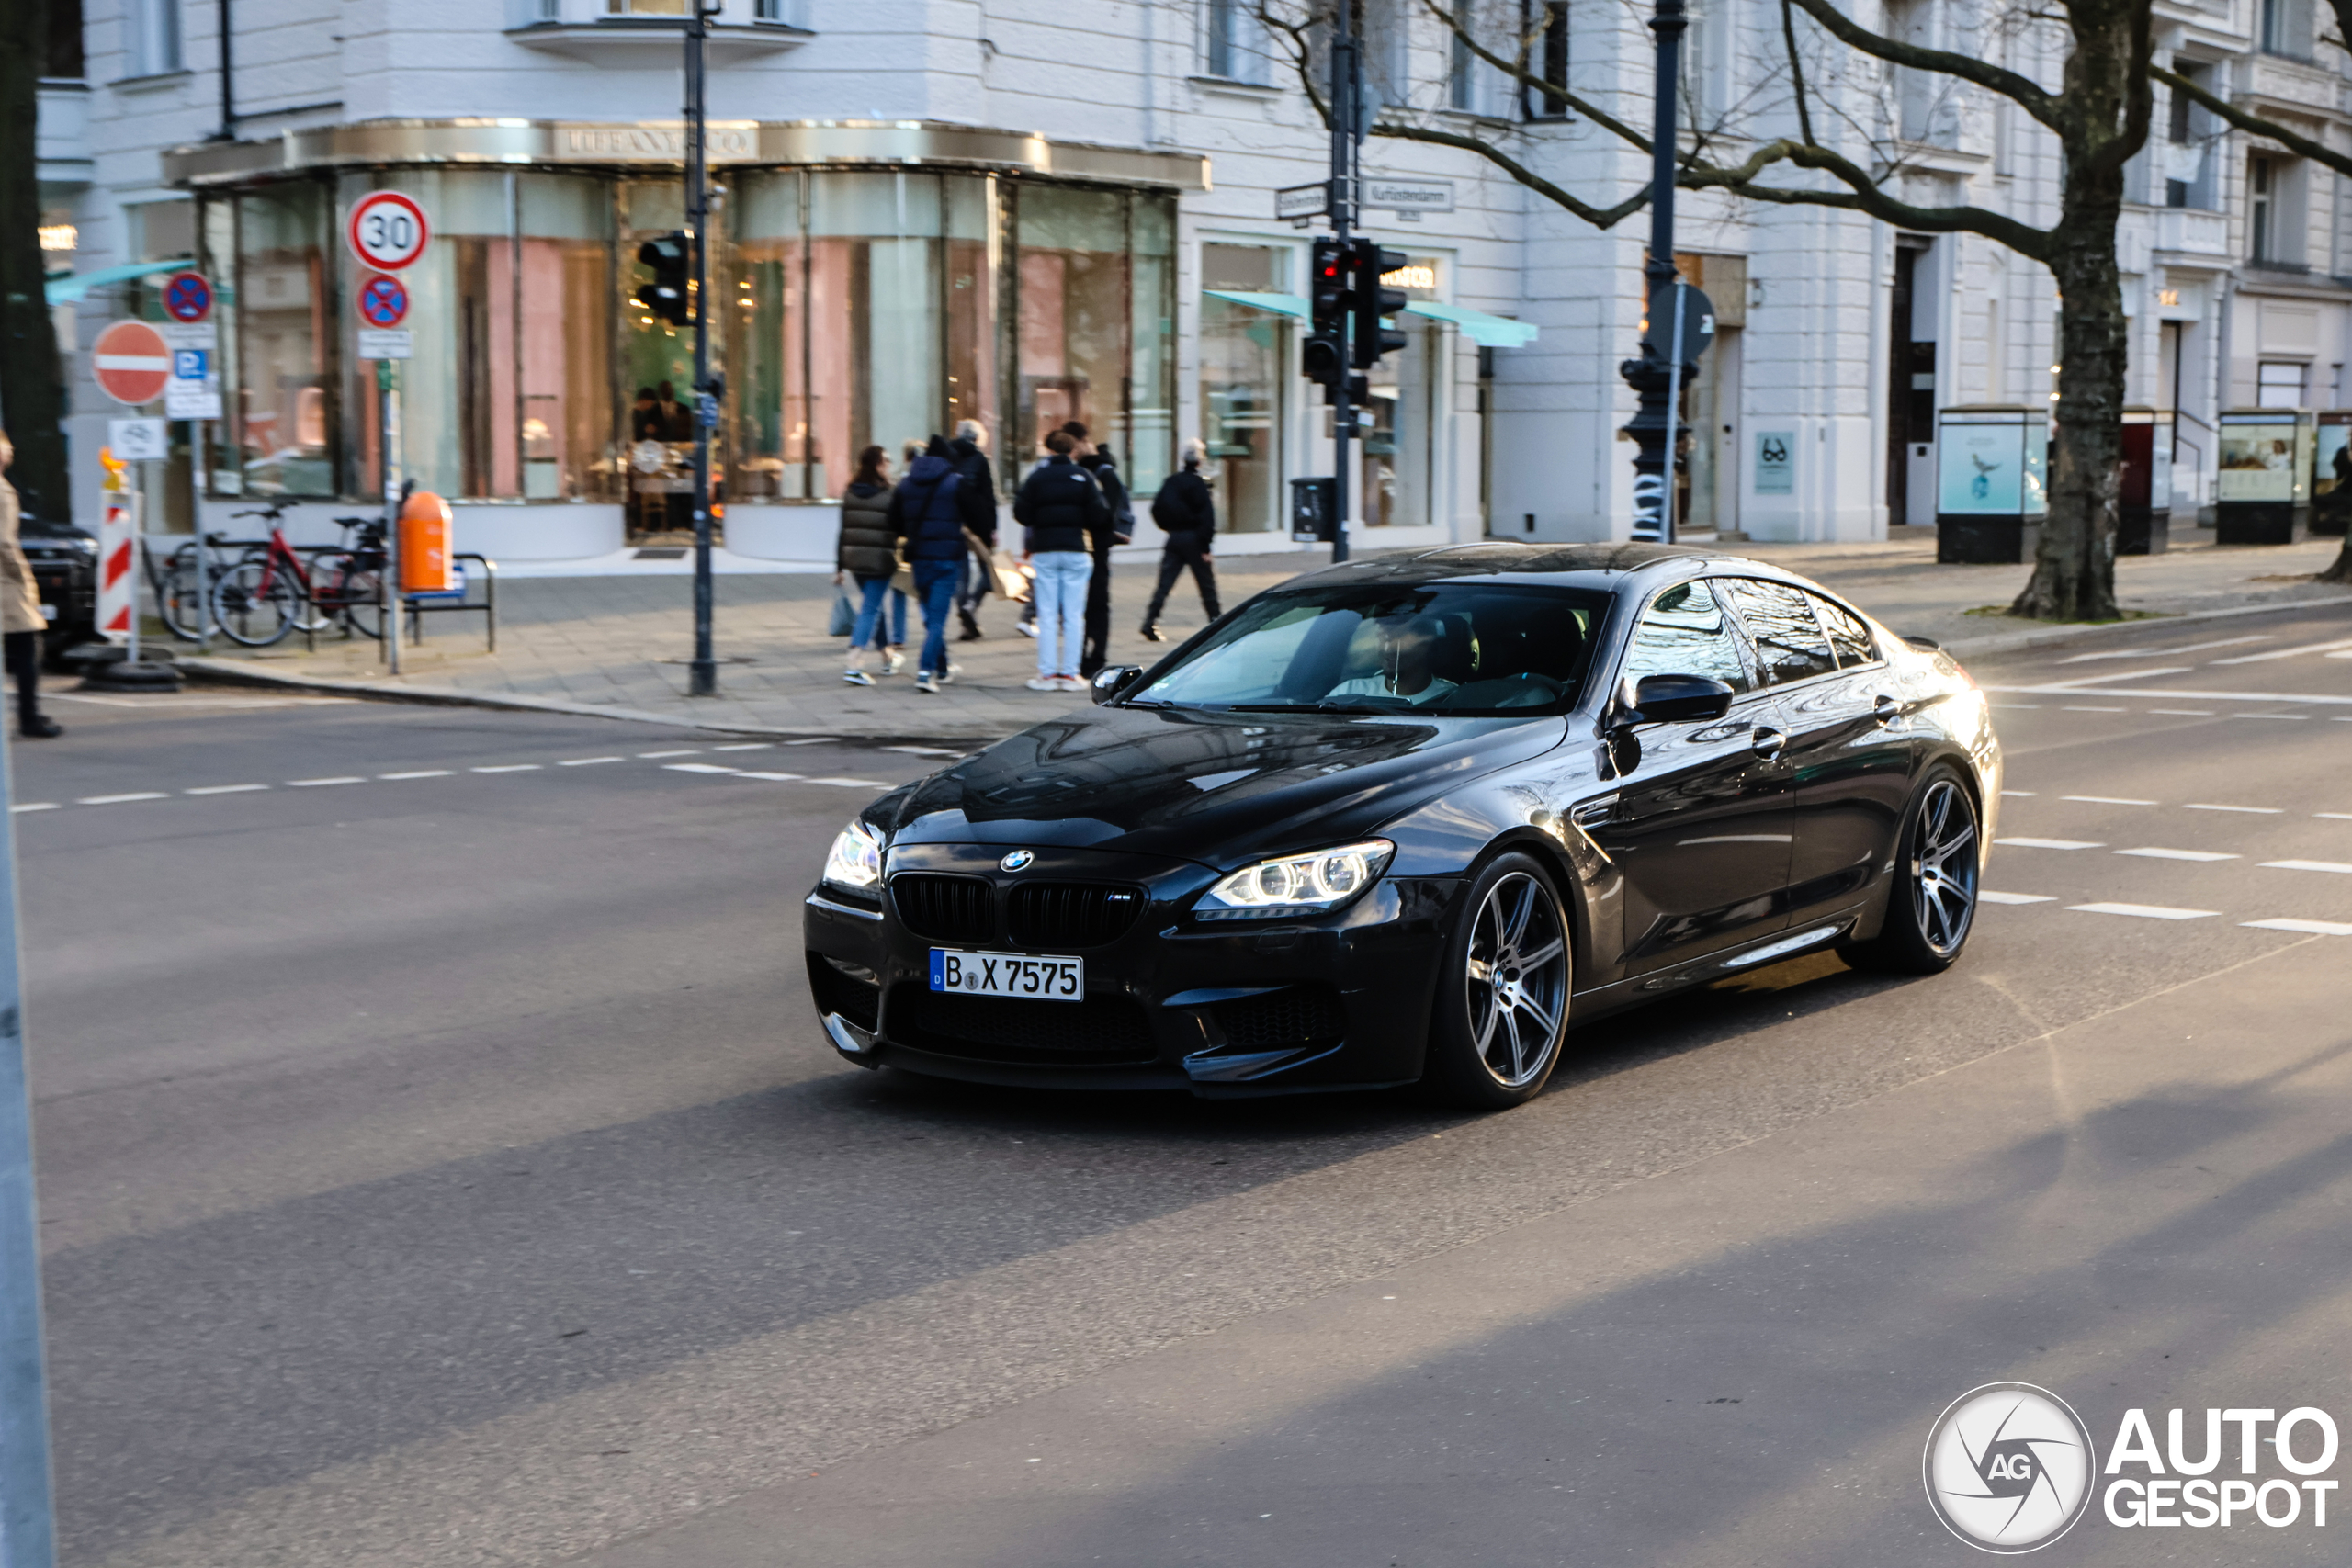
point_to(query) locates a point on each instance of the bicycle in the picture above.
(179, 591)
(272, 591)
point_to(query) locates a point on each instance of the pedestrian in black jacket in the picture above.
(1097, 461)
(1064, 511)
(968, 453)
(869, 555)
(1187, 514)
(930, 511)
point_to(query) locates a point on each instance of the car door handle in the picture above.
(1768, 741)
(1885, 709)
(1593, 813)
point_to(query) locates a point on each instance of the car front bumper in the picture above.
(1230, 1009)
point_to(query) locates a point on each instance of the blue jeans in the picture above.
(869, 617)
(935, 582)
(1062, 608)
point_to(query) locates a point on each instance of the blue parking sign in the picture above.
(190, 364)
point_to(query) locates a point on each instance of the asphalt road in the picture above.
(447, 1168)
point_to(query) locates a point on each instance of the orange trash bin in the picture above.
(426, 566)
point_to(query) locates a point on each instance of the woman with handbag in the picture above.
(869, 555)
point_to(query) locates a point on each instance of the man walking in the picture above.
(930, 511)
(1097, 461)
(1062, 508)
(968, 455)
(1187, 514)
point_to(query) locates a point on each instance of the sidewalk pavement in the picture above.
(618, 645)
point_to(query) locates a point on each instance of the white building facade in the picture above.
(1023, 213)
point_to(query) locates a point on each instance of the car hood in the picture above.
(1215, 787)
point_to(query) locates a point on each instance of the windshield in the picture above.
(1452, 648)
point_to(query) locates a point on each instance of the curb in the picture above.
(2011, 642)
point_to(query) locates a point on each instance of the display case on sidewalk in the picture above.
(2264, 493)
(1992, 465)
(2143, 508)
(2332, 473)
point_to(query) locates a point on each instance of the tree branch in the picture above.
(2019, 89)
(2302, 146)
(1862, 194)
(1796, 70)
(1599, 217)
(1518, 71)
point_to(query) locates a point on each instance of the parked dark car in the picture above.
(1403, 819)
(65, 567)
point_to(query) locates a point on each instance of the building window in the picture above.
(1235, 45)
(1545, 33)
(2279, 385)
(151, 37)
(2284, 27)
(1245, 384)
(64, 62)
(277, 340)
(2261, 206)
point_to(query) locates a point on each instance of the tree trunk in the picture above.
(32, 385)
(2073, 573)
(2342, 571)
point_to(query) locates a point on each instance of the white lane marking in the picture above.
(420, 773)
(776, 778)
(2075, 691)
(2344, 642)
(923, 750)
(694, 768)
(2077, 707)
(2298, 718)
(2051, 843)
(2166, 652)
(35, 806)
(2334, 816)
(509, 768)
(588, 761)
(2184, 713)
(223, 789)
(1989, 896)
(120, 799)
(2131, 675)
(2015, 707)
(686, 751)
(745, 745)
(2108, 799)
(2025, 793)
(812, 740)
(2146, 911)
(316, 784)
(2309, 928)
(2247, 811)
(2308, 865)
(2150, 851)
(2345, 654)
(855, 784)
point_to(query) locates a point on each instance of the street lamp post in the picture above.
(702, 673)
(1656, 377)
(1347, 104)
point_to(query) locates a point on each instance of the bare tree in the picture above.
(2302, 146)
(2097, 112)
(32, 390)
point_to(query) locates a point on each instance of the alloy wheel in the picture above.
(1943, 867)
(1517, 978)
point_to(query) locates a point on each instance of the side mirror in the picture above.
(1679, 699)
(1111, 680)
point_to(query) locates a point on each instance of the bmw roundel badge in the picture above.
(1017, 861)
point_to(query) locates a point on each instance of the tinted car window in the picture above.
(1453, 648)
(1847, 634)
(1686, 632)
(1790, 643)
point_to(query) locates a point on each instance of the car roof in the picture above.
(1605, 567)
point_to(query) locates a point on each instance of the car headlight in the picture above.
(1297, 884)
(855, 862)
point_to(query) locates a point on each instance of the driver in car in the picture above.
(1407, 649)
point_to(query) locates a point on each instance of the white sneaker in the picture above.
(1026, 628)
(925, 683)
(858, 678)
(953, 670)
(1044, 683)
(1070, 684)
(892, 659)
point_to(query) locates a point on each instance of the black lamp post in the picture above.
(1654, 376)
(701, 671)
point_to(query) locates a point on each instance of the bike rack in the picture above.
(418, 605)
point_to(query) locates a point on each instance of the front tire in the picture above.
(1502, 1002)
(1932, 903)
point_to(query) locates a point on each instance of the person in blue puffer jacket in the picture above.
(930, 512)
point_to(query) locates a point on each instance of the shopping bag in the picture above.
(1012, 576)
(843, 619)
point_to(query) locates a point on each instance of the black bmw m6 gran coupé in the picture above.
(1409, 819)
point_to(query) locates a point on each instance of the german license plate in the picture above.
(1008, 974)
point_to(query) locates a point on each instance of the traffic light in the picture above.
(1369, 263)
(1326, 350)
(667, 294)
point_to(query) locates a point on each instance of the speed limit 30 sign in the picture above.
(387, 229)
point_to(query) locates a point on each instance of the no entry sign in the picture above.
(187, 297)
(132, 362)
(387, 229)
(384, 302)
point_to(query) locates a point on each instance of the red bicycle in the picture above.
(272, 591)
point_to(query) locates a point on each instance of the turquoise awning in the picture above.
(66, 291)
(1280, 304)
(1485, 330)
